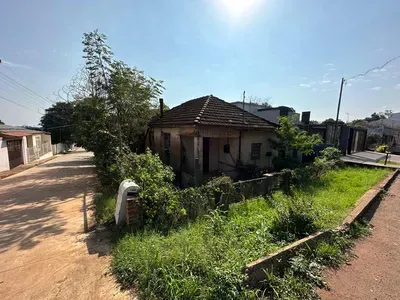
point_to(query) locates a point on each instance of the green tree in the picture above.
(1, 122)
(375, 117)
(58, 120)
(291, 137)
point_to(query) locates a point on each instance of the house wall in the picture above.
(24, 150)
(4, 162)
(29, 141)
(46, 138)
(262, 137)
(270, 115)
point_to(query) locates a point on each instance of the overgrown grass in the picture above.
(204, 260)
(105, 208)
(389, 162)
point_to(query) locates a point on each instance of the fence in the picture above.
(37, 152)
(253, 188)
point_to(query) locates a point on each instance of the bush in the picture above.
(372, 139)
(296, 218)
(382, 149)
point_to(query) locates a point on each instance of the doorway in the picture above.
(15, 153)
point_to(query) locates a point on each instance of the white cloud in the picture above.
(305, 85)
(314, 89)
(325, 81)
(397, 86)
(349, 84)
(394, 76)
(367, 80)
(329, 65)
(376, 71)
(14, 65)
(383, 70)
(379, 50)
(332, 69)
(376, 88)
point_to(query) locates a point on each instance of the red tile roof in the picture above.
(14, 134)
(211, 111)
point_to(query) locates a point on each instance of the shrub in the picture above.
(296, 218)
(382, 149)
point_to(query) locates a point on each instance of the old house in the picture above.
(19, 145)
(207, 136)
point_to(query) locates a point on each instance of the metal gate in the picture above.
(15, 153)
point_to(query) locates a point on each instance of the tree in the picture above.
(332, 121)
(1, 122)
(266, 101)
(375, 117)
(315, 122)
(58, 120)
(292, 137)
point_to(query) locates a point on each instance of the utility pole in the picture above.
(338, 111)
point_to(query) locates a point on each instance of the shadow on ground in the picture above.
(29, 201)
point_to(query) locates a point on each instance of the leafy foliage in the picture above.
(57, 120)
(1, 122)
(105, 208)
(291, 137)
(382, 149)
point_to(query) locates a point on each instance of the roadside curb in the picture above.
(10, 173)
(276, 261)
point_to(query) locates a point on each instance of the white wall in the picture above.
(4, 161)
(24, 150)
(271, 115)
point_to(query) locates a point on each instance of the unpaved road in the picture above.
(374, 273)
(44, 253)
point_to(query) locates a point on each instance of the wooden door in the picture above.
(15, 153)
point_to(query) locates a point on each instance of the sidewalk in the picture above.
(22, 168)
(374, 271)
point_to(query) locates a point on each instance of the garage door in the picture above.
(15, 153)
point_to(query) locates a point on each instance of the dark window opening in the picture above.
(227, 148)
(255, 150)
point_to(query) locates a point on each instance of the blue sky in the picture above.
(293, 51)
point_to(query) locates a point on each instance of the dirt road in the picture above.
(44, 253)
(374, 273)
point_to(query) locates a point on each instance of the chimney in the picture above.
(305, 117)
(161, 107)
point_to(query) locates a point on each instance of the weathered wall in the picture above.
(4, 162)
(46, 138)
(188, 152)
(262, 137)
(29, 141)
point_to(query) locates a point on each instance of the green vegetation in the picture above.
(204, 260)
(395, 163)
(105, 208)
(304, 274)
(382, 149)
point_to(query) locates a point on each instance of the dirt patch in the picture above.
(374, 271)
(44, 253)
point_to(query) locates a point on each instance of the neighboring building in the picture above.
(271, 114)
(388, 130)
(19, 145)
(207, 136)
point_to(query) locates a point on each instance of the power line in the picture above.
(18, 76)
(26, 88)
(16, 87)
(21, 105)
(373, 69)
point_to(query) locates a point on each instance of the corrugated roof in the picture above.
(14, 134)
(211, 111)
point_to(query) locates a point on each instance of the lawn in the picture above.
(395, 163)
(204, 260)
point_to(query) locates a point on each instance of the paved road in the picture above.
(374, 273)
(44, 253)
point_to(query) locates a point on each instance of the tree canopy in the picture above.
(1, 122)
(58, 120)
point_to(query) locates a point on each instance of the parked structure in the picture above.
(207, 136)
(19, 145)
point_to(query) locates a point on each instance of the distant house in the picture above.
(19, 145)
(207, 136)
(388, 130)
(271, 114)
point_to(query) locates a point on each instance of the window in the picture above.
(227, 148)
(255, 150)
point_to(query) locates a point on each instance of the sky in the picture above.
(295, 52)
